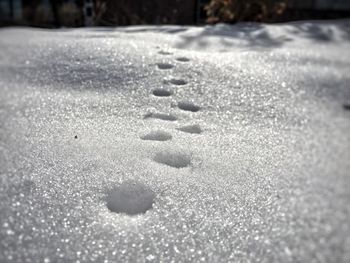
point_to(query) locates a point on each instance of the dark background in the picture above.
(78, 13)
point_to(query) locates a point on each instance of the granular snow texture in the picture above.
(235, 138)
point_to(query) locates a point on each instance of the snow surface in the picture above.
(260, 173)
(157, 136)
(131, 198)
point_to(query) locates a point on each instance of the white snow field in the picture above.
(176, 144)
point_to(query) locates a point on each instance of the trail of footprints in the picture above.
(132, 197)
(171, 158)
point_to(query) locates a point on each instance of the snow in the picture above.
(182, 59)
(174, 158)
(176, 81)
(130, 198)
(195, 128)
(157, 136)
(162, 92)
(165, 65)
(259, 173)
(161, 116)
(188, 106)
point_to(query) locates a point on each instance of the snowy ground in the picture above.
(234, 141)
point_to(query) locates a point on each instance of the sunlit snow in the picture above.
(226, 143)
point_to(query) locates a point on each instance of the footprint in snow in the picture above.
(183, 59)
(172, 158)
(188, 106)
(162, 52)
(161, 116)
(157, 136)
(176, 81)
(130, 198)
(164, 66)
(162, 93)
(194, 129)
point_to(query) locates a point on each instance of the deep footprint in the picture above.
(188, 106)
(194, 129)
(182, 59)
(178, 82)
(162, 93)
(131, 198)
(161, 116)
(164, 66)
(173, 158)
(346, 105)
(157, 136)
